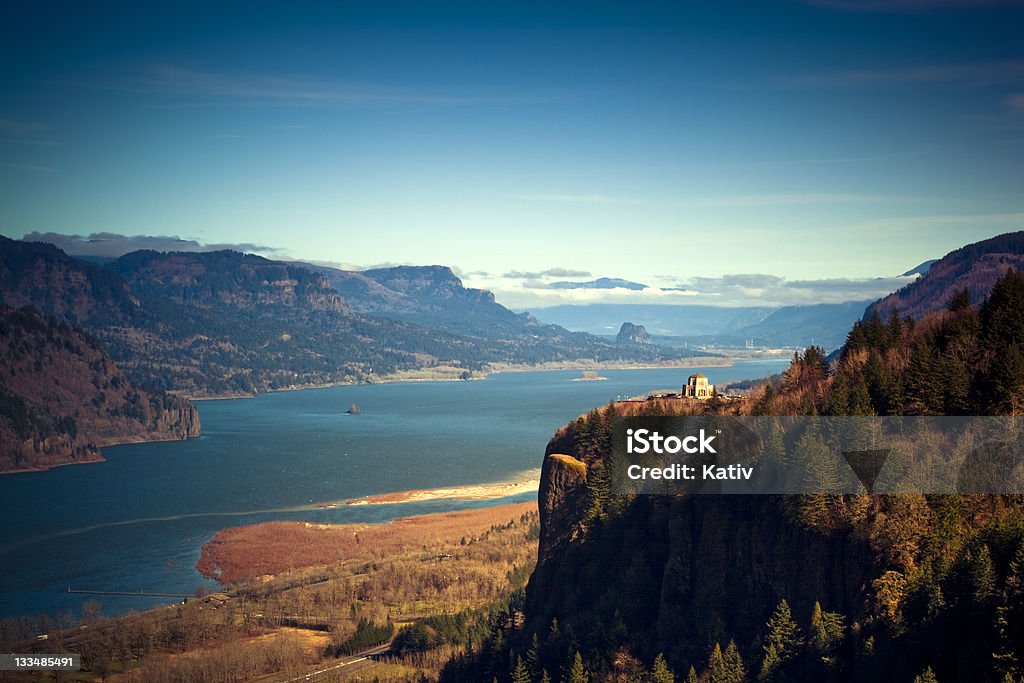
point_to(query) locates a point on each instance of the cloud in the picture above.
(971, 74)
(108, 244)
(736, 289)
(19, 128)
(193, 87)
(550, 272)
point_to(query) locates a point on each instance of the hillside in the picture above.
(812, 587)
(435, 298)
(62, 397)
(822, 325)
(222, 323)
(975, 267)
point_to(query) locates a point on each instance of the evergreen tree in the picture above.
(982, 576)
(960, 301)
(781, 644)
(838, 400)
(826, 632)
(923, 388)
(860, 398)
(577, 671)
(716, 666)
(875, 332)
(1008, 381)
(660, 673)
(1002, 315)
(894, 330)
(520, 674)
(544, 677)
(770, 664)
(926, 676)
(533, 657)
(856, 340)
(691, 676)
(735, 672)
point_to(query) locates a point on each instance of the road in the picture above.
(359, 661)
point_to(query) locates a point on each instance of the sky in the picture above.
(732, 153)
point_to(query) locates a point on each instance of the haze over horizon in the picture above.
(797, 152)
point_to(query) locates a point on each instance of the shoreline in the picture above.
(409, 376)
(482, 491)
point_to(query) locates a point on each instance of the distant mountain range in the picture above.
(599, 283)
(821, 324)
(216, 323)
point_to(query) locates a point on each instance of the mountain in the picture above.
(680, 321)
(822, 324)
(798, 326)
(222, 322)
(975, 267)
(62, 397)
(632, 334)
(600, 283)
(435, 298)
(920, 269)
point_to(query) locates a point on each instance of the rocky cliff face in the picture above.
(631, 334)
(679, 573)
(227, 278)
(62, 397)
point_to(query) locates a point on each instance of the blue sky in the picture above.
(769, 152)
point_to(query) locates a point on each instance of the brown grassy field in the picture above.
(248, 552)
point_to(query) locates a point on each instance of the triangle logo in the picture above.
(867, 464)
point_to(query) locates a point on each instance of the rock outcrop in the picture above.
(631, 334)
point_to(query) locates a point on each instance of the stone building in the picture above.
(697, 387)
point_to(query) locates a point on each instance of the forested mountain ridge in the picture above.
(797, 588)
(974, 267)
(223, 323)
(62, 397)
(217, 279)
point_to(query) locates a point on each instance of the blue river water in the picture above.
(138, 521)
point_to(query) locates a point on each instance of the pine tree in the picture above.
(860, 398)
(923, 387)
(578, 672)
(533, 657)
(520, 674)
(826, 631)
(926, 676)
(982, 576)
(660, 673)
(735, 672)
(544, 677)
(1008, 381)
(770, 664)
(716, 666)
(782, 642)
(691, 676)
(838, 400)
